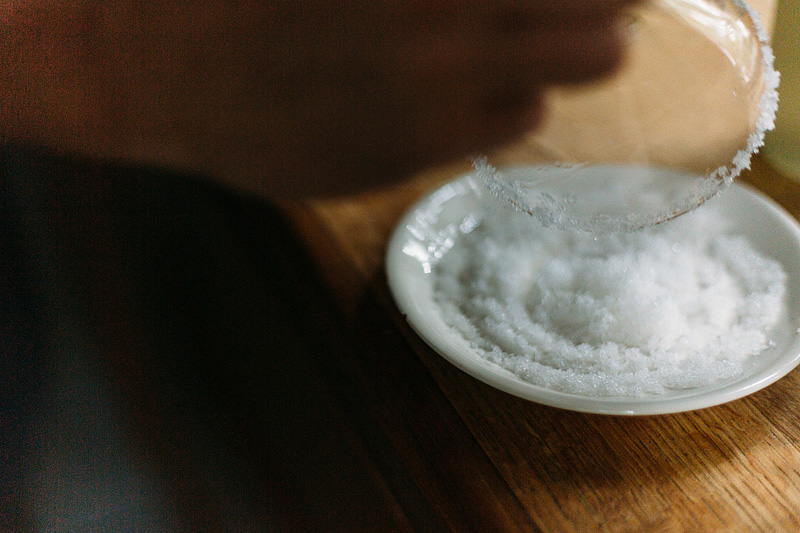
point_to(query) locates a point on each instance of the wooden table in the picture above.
(457, 454)
(260, 370)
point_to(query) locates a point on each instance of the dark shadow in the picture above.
(215, 337)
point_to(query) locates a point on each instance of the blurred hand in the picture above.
(289, 98)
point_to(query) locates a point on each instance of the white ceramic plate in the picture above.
(431, 227)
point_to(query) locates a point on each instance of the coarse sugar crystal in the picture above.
(675, 307)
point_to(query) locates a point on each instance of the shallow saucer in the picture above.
(434, 224)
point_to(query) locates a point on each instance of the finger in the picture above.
(479, 124)
(571, 51)
(518, 14)
(564, 54)
(556, 11)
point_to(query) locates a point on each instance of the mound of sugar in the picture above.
(679, 306)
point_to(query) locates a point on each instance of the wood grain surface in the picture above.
(482, 457)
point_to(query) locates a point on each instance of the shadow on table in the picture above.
(187, 324)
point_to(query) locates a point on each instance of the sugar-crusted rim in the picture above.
(551, 212)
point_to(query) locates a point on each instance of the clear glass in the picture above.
(671, 128)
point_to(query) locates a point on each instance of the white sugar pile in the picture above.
(676, 307)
